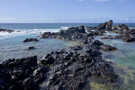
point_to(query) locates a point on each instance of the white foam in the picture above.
(110, 33)
(64, 28)
(4, 35)
(21, 32)
(132, 27)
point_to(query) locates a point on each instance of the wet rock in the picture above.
(6, 30)
(105, 26)
(73, 33)
(128, 38)
(109, 25)
(40, 74)
(118, 37)
(115, 28)
(68, 68)
(14, 71)
(97, 42)
(29, 84)
(124, 27)
(131, 31)
(46, 35)
(107, 37)
(31, 48)
(101, 26)
(80, 29)
(107, 48)
(112, 37)
(31, 40)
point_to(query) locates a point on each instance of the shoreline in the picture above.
(70, 65)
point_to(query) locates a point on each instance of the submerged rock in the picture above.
(31, 40)
(107, 48)
(31, 48)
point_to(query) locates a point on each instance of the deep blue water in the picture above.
(49, 25)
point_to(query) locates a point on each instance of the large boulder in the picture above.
(124, 28)
(102, 26)
(109, 25)
(105, 26)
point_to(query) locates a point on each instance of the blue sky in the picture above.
(67, 10)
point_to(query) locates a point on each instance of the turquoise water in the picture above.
(124, 55)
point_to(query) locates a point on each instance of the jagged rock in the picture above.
(73, 33)
(124, 27)
(74, 66)
(107, 37)
(107, 48)
(109, 25)
(15, 72)
(31, 48)
(31, 40)
(128, 38)
(6, 30)
(68, 68)
(101, 26)
(105, 26)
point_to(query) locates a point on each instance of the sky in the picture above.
(49, 11)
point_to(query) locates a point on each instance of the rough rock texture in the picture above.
(66, 69)
(17, 74)
(105, 26)
(128, 38)
(31, 48)
(124, 27)
(31, 40)
(107, 48)
(71, 34)
(6, 30)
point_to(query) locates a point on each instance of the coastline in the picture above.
(74, 34)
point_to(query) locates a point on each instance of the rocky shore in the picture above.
(84, 33)
(69, 68)
(66, 69)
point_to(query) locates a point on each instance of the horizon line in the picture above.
(59, 22)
